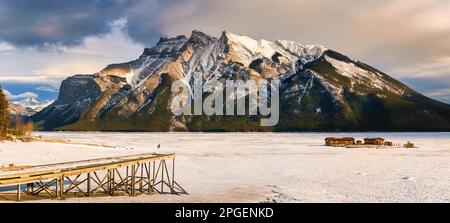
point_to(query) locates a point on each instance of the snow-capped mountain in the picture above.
(26, 108)
(321, 90)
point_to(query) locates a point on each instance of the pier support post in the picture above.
(108, 181)
(89, 184)
(141, 183)
(126, 182)
(154, 177)
(162, 175)
(133, 179)
(19, 190)
(61, 187)
(56, 188)
(173, 173)
(28, 188)
(149, 179)
(113, 182)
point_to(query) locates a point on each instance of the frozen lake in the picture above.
(258, 167)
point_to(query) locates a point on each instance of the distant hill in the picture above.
(321, 90)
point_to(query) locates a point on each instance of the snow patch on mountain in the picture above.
(165, 51)
(336, 91)
(305, 54)
(247, 49)
(305, 91)
(250, 48)
(361, 76)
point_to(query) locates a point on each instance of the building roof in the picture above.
(373, 138)
(337, 138)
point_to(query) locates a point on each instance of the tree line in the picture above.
(8, 127)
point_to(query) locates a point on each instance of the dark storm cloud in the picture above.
(144, 19)
(67, 22)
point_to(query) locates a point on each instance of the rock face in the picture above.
(77, 94)
(321, 90)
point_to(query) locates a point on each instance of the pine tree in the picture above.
(4, 113)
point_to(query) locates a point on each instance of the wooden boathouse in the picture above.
(344, 141)
(129, 175)
(374, 141)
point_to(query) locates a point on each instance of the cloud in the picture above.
(34, 65)
(114, 46)
(29, 23)
(441, 94)
(362, 28)
(4, 46)
(404, 39)
(92, 55)
(145, 18)
(28, 99)
(53, 80)
(47, 89)
(408, 40)
(22, 96)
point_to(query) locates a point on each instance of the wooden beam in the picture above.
(19, 190)
(14, 168)
(89, 184)
(61, 189)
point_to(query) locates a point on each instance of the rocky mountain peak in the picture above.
(320, 89)
(166, 46)
(167, 40)
(201, 38)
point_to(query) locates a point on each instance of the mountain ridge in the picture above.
(321, 90)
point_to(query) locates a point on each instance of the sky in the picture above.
(44, 41)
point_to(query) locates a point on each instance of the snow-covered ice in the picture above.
(260, 167)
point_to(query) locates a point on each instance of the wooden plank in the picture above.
(30, 173)
(11, 182)
(13, 168)
(86, 167)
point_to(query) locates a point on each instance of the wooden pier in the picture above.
(129, 175)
